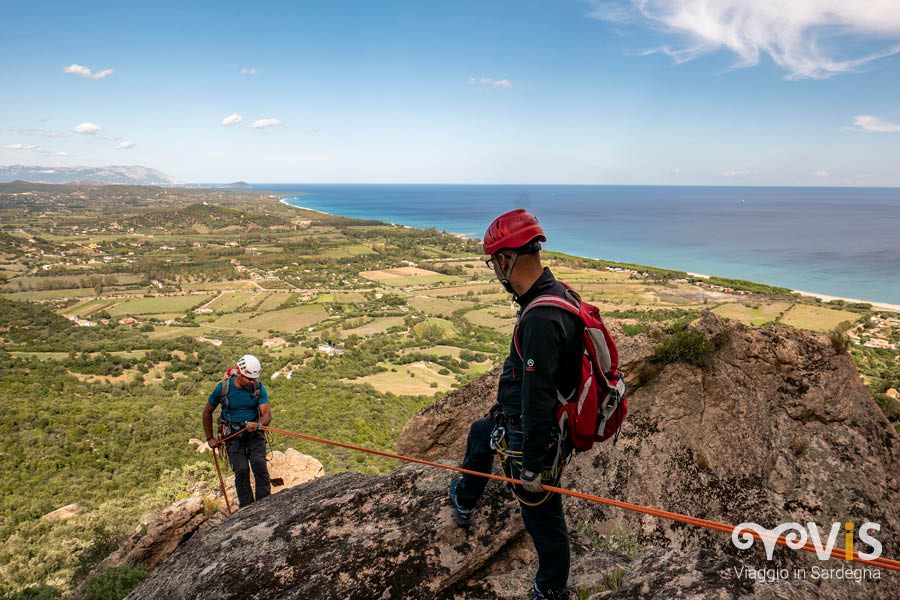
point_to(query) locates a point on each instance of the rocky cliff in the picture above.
(776, 427)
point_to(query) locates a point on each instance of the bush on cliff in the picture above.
(684, 344)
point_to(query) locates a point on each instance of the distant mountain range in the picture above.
(134, 175)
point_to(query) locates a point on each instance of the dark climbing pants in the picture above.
(245, 452)
(545, 522)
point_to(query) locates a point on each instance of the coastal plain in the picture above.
(123, 306)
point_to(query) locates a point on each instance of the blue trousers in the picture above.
(545, 522)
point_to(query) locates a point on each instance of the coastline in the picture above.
(827, 298)
(824, 297)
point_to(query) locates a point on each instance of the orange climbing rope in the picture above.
(714, 525)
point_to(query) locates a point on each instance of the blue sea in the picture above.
(837, 241)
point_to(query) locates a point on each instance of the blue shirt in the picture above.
(241, 401)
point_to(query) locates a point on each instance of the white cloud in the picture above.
(87, 128)
(735, 173)
(872, 123)
(675, 172)
(125, 145)
(86, 72)
(22, 147)
(232, 119)
(249, 71)
(263, 123)
(799, 35)
(488, 81)
(822, 173)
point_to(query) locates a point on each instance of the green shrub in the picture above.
(633, 330)
(684, 345)
(103, 542)
(113, 584)
(40, 591)
(839, 341)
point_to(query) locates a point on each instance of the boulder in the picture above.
(65, 512)
(347, 536)
(776, 428)
(286, 469)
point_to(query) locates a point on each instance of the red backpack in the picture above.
(597, 407)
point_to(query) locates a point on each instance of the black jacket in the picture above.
(551, 342)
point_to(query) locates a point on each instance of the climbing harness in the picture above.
(511, 460)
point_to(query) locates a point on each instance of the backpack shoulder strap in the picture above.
(223, 396)
(570, 305)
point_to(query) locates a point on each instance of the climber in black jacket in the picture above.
(521, 427)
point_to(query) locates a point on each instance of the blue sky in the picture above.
(581, 92)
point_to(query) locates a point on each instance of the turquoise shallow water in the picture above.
(836, 241)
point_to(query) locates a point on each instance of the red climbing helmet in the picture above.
(512, 230)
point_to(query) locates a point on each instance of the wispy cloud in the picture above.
(125, 145)
(822, 173)
(41, 132)
(488, 81)
(263, 123)
(34, 148)
(86, 72)
(735, 173)
(232, 119)
(800, 35)
(249, 71)
(874, 124)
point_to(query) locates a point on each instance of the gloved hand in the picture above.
(494, 411)
(531, 482)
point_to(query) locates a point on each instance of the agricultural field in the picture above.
(502, 320)
(816, 318)
(377, 325)
(230, 301)
(418, 378)
(433, 306)
(756, 314)
(287, 320)
(273, 301)
(157, 304)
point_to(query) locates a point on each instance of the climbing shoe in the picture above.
(462, 516)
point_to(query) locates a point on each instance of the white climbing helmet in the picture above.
(249, 366)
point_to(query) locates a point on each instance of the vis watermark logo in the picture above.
(797, 536)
